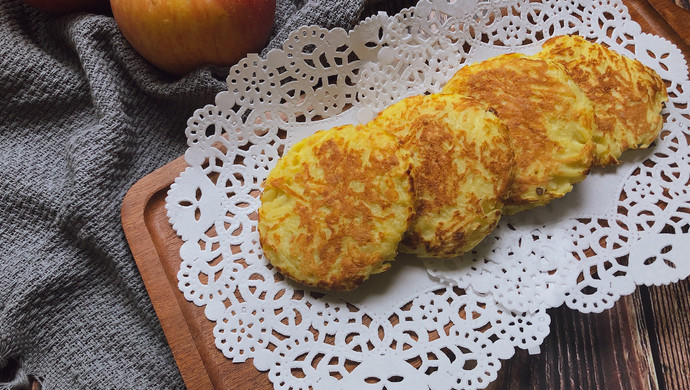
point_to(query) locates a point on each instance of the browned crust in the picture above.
(627, 95)
(337, 222)
(527, 94)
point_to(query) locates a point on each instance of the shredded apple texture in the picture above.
(335, 207)
(432, 175)
(462, 168)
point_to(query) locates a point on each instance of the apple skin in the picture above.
(178, 36)
(66, 6)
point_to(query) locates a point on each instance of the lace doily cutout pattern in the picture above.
(423, 324)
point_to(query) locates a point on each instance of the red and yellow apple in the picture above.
(65, 6)
(180, 35)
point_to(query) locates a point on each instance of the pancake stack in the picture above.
(431, 175)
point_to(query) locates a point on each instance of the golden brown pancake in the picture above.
(549, 120)
(462, 163)
(335, 207)
(627, 95)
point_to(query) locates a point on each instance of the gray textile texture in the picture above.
(83, 117)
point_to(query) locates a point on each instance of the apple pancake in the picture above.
(335, 207)
(627, 95)
(550, 122)
(462, 164)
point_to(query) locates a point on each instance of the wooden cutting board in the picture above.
(643, 342)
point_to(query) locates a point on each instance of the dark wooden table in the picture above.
(643, 342)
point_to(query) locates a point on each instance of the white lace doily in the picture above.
(436, 324)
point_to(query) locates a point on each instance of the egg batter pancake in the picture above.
(627, 96)
(462, 164)
(335, 207)
(550, 122)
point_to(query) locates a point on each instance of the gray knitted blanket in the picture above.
(83, 117)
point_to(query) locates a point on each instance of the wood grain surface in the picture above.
(643, 342)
